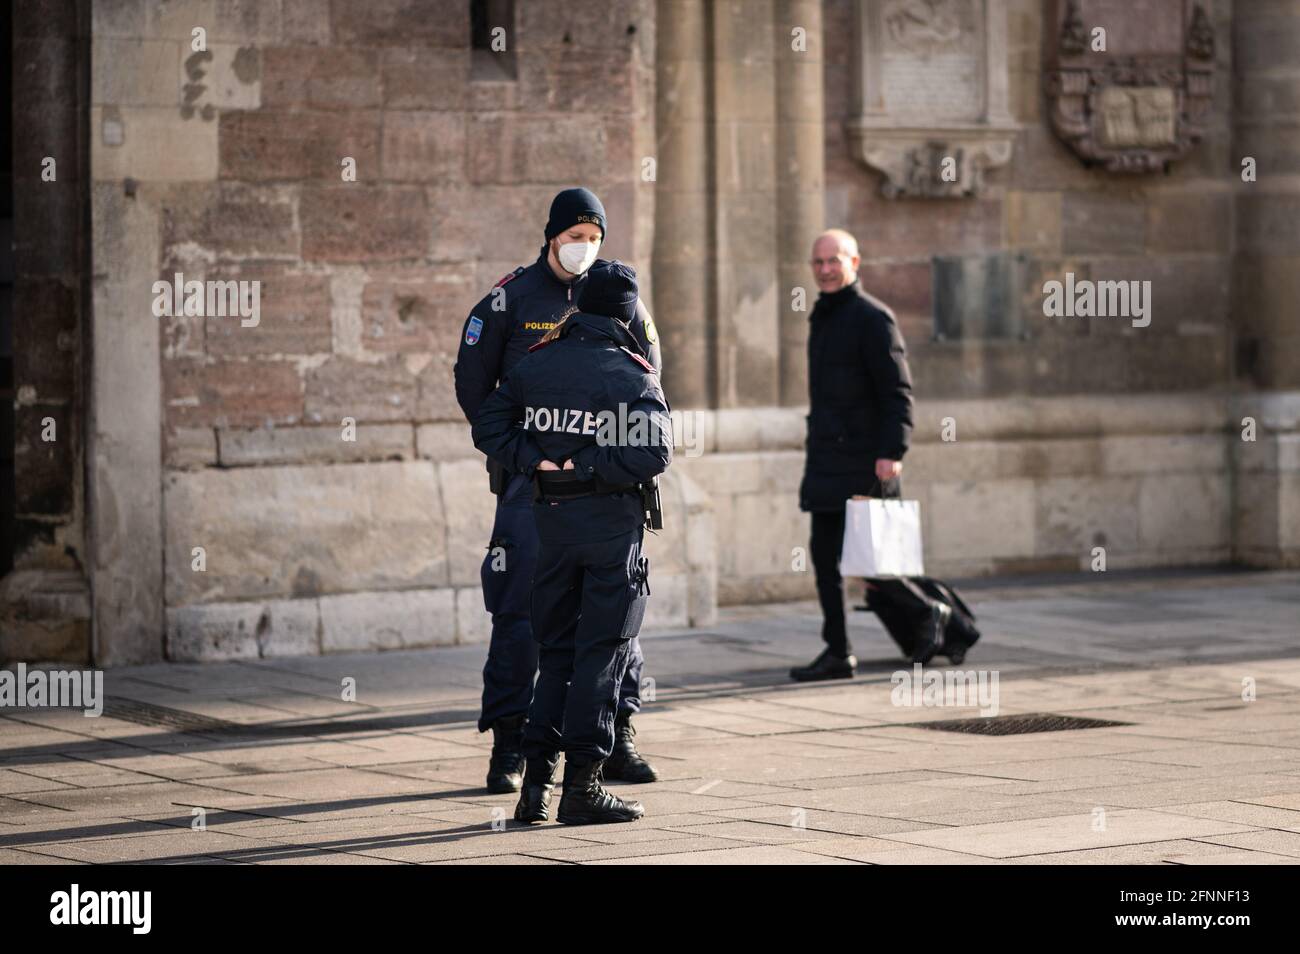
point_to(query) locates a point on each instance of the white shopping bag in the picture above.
(882, 538)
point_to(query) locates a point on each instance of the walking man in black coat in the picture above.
(859, 426)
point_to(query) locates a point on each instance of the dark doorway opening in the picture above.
(7, 489)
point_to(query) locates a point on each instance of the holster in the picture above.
(498, 477)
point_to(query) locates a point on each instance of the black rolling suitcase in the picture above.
(905, 605)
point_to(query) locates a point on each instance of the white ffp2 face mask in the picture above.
(577, 257)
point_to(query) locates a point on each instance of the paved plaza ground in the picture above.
(755, 769)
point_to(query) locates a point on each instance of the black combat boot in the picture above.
(625, 763)
(505, 770)
(585, 801)
(535, 796)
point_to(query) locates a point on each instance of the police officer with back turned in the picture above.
(584, 418)
(522, 307)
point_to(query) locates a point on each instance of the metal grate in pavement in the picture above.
(1016, 724)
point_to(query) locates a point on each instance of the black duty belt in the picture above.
(566, 485)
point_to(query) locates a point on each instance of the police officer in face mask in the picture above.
(522, 307)
(582, 416)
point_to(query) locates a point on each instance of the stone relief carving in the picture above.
(1140, 104)
(930, 94)
(925, 26)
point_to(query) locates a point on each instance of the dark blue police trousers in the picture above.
(588, 603)
(507, 575)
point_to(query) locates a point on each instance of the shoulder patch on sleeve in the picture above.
(509, 276)
(473, 330)
(638, 359)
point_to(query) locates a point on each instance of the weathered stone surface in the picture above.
(620, 28)
(437, 392)
(135, 72)
(1034, 220)
(425, 77)
(293, 315)
(315, 445)
(124, 474)
(981, 520)
(290, 628)
(231, 393)
(224, 19)
(268, 145)
(561, 84)
(364, 391)
(231, 78)
(307, 77)
(1105, 222)
(446, 441)
(185, 448)
(1075, 515)
(148, 149)
(302, 531)
(442, 23)
(416, 309)
(1164, 453)
(1189, 222)
(468, 508)
(305, 21)
(212, 633)
(423, 146)
(232, 221)
(401, 619)
(537, 149)
(361, 224)
(1183, 511)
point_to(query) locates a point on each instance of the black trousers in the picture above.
(826, 544)
(588, 603)
(507, 576)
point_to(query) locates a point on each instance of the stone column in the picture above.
(1266, 299)
(745, 203)
(800, 180)
(124, 440)
(683, 241)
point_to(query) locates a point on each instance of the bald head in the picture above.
(835, 260)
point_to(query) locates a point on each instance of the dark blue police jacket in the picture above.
(589, 397)
(511, 318)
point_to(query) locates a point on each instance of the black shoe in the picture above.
(625, 763)
(535, 795)
(930, 640)
(585, 801)
(505, 770)
(825, 666)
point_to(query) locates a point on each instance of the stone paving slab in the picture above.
(1067, 833)
(756, 770)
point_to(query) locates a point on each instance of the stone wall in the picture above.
(1029, 485)
(1047, 214)
(229, 165)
